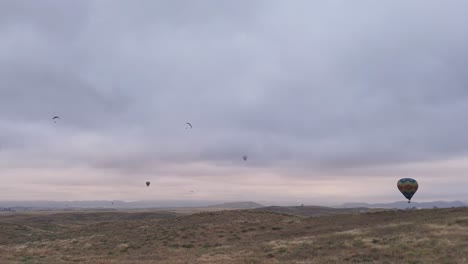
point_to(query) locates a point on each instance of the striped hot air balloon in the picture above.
(407, 187)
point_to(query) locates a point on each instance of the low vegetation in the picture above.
(235, 236)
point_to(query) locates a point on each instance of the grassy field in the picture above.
(235, 236)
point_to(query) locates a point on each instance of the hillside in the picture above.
(312, 210)
(404, 205)
(235, 236)
(236, 205)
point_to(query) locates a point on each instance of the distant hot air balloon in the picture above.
(189, 125)
(147, 183)
(244, 157)
(407, 187)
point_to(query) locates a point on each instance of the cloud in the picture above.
(322, 87)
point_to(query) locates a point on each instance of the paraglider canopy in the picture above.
(244, 157)
(408, 187)
(147, 183)
(55, 117)
(189, 125)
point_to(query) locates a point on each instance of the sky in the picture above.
(332, 101)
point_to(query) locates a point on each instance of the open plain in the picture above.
(235, 236)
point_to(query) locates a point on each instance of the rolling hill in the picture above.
(311, 210)
(404, 205)
(237, 205)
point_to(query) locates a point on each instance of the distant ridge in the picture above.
(404, 205)
(237, 205)
(116, 205)
(101, 204)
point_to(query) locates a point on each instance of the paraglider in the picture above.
(407, 187)
(55, 117)
(244, 157)
(147, 183)
(189, 125)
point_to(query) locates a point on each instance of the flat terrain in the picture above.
(235, 236)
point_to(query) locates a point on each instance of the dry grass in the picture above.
(424, 236)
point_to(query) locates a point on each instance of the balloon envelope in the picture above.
(407, 187)
(244, 157)
(147, 183)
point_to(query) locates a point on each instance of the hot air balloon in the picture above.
(147, 183)
(244, 157)
(407, 187)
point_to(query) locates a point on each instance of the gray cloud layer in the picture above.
(323, 86)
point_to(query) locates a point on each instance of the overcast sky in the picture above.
(332, 101)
